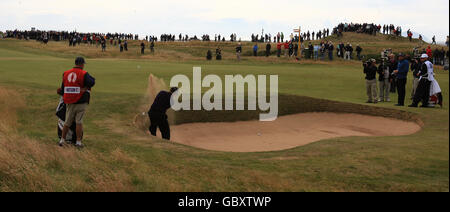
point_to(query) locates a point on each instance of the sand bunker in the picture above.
(286, 132)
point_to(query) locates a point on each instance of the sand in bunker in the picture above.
(286, 132)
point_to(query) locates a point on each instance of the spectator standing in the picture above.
(152, 46)
(238, 51)
(330, 51)
(255, 50)
(358, 52)
(385, 78)
(142, 47)
(370, 70)
(401, 73)
(268, 47)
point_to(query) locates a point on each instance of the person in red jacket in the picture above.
(279, 49)
(76, 89)
(286, 48)
(429, 52)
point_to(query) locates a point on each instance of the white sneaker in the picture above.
(79, 145)
(61, 142)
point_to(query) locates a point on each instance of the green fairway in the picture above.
(120, 157)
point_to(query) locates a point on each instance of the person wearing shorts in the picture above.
(76, 89)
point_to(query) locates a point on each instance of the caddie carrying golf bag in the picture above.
(61, 114)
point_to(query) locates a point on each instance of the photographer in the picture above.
(392, 66)
(415, 68)
(370, 69)
(385, 79)
(401, 73)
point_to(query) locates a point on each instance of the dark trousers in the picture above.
(401, 89)
(422, 93)
(158, 119)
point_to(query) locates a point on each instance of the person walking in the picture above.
(157, 113)
(401, 73)
(76, 88)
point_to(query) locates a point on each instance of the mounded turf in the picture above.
(120, 157)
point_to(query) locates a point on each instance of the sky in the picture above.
(243, 17)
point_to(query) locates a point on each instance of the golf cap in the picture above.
(424, 56)
(80, 61)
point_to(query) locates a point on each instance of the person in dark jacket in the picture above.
(152, 47)
(157, 113)
(415, 68)
(268, 48)
(142, 47)
(310, 50)
(393, 63)
(330, 51)
(370, 69)
(218, 53)
(358, 52)
(209, 55)
(239, 51)
(401, 73)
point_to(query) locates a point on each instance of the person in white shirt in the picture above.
(426, 77)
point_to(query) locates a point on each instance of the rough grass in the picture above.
(120, 157)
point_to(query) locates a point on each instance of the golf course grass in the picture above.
(120, 157)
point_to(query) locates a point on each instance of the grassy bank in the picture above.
(120, 157)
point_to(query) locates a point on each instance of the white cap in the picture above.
(424, 56)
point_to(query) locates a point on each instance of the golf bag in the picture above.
(61, 114)
(435, 94)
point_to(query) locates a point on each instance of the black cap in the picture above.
(80, 61)
(173, 90)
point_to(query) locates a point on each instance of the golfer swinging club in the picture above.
(76, 89)
(157, 113)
